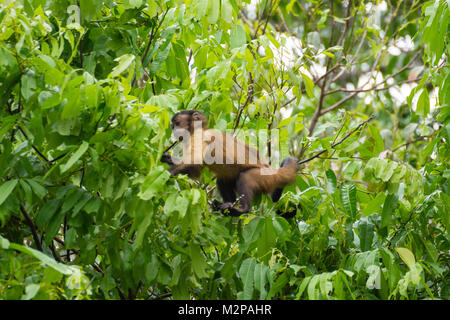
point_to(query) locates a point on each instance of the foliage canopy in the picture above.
(88, 87)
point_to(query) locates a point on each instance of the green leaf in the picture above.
(153, 183)
(43, 258)
(390, 204)
(423, 104)
(407, 257)
(282, 228)
(46, 213)
(309, 84)
(142, 228)
(374, 205)
(198, 261)
(267, 239)
(152, 269)
(160, 57)
(260, 278)
(28, 86)
(227, 11)
(366, 234)
(70, 238)
(201, 7)
(351, 169)
(4, 243)
(213, 11)
(38, 190)
(430, 147)
(331, 181)
(348, 199)
(252, 230)
(30, 291)
(52, 276)
(123, 63)
(27, 189)
(71, 199)
(6, 189)
(303, 286)
(238, 36)
(54, 226)
(246, 272)
(313, 293)
(75, 157)
(387, 170)
(48, 100)
(379, 143)
(93, 205)
(431, 250)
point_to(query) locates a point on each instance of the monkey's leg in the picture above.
(227, 189)
(245, 194)
(276, 195)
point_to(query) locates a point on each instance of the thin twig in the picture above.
(375, 87)
(339, 142)
(33, 146)
(33, 228)
(163, 296)
(407, 143)
(247, 101)
(54, 253)
(80, 46)
(259, 18)
(150, 41)
(318, 112)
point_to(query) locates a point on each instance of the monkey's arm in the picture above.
(192, 170)
(167, 158)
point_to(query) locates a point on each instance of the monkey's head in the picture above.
(188, 120)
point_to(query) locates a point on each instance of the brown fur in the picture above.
(233, 177)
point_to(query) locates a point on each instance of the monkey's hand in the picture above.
(167, 158)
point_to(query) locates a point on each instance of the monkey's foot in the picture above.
(216, 205)
(219, 206)
(226, 208)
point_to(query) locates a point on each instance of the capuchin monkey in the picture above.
(241, 173)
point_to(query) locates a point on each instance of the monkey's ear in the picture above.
(196, 116)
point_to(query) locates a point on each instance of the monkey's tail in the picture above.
(285, 175)
(288, 170)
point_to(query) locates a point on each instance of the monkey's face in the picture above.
(184, 123)
(180, 127)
